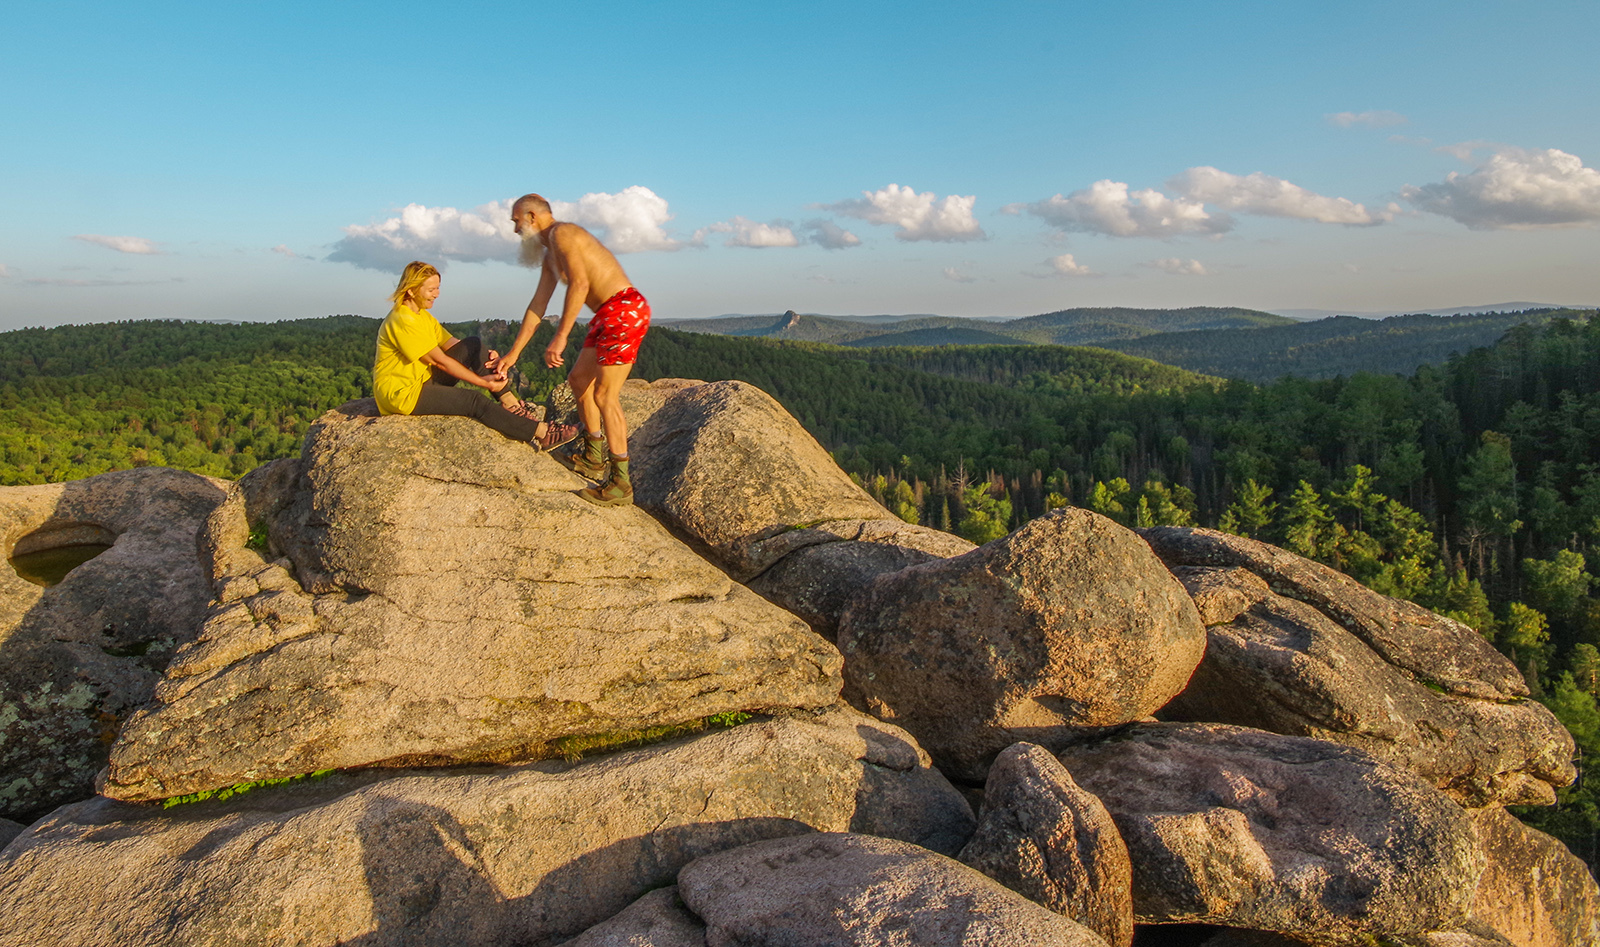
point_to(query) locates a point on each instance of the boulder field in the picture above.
(409, 689)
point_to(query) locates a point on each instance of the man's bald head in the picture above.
(532, 202)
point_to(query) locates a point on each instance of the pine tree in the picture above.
(1250, 513)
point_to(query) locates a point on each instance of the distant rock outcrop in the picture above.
(1069, 622)
(1248, 829)
(475, 858)
(446, 597)
(78, 657)
(1298, 660)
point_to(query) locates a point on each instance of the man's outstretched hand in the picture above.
(552, 352)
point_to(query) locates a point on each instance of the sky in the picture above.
(255, 162)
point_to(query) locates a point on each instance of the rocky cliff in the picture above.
(409, 689)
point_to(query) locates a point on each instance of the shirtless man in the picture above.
(621, 318)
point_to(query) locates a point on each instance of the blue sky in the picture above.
(255, 162)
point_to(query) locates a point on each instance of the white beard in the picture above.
(531, 253)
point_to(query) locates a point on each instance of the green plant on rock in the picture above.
(222, 795)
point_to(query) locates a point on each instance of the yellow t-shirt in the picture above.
(397, 370)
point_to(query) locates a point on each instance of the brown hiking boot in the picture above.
(590, 462)
(616, 490)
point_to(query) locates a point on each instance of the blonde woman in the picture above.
(418, 365)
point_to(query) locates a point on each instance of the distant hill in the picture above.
(1066, 327)
(1307, 315)
(1326, 348)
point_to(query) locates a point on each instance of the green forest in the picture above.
(1471, 487)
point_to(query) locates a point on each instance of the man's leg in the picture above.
(606, 392)
(590, 459)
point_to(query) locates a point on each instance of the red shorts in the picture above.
(618, 327)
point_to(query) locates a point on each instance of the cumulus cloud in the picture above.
(829, 235)
(1178, 267)
(628, 221)
(434, 234)
(749, 233)
(1516, 189)
(119, 244)
(1378, 119)
(956, 276)
(918, 216)
(1267, 196)
(1108, 207)
(1065, 265)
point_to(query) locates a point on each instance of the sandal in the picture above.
(523, 409)
(555, 435)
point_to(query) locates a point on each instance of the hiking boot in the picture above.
(590, 461)
(616, 490)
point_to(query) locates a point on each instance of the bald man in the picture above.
(594, 278)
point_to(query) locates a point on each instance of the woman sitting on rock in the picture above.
(418, 365)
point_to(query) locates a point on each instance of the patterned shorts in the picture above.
(618, 327)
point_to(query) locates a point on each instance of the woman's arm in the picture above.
(436, 358)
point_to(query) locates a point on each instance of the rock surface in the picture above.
(818, 581)
(1275, 663)
(725, 465)
(9, 830)
(1266, 832)
(1068, 622)
(78, 657)
(659, 919)
(1534, 892)
(837, 889)
(1043, 837)
(445, 598)
(530, 854)
(1432, 647)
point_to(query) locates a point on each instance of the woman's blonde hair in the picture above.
(416, 273)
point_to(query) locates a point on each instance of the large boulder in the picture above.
(1044, 837)
(1433, 648)
(446, 597)
(1275, 662)
(78, 657)
(659, 919)
(1267, 832)
(818, 581)
(726, 466)
(1534, 892)
(530, 854)
(842, 890)
(1069, 622)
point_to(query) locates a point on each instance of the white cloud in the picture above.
(629, 221)
(1107, 207)
(433, 234)
(1378, 119)
(1065, 265)
(1268, 196)
(119, 244)
(626, 222)
(956, 276)
(5, 273)
(749, 233)
(1516, 189)
(283, 249)
(1178, 267)
(1464, 151)
(919, 216)
(829, 235)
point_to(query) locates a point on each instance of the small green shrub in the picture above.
(221, 795)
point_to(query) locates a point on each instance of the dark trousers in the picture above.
(441, 396)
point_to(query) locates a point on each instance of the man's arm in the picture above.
(435, 358)
(577, 292)
(531, 317)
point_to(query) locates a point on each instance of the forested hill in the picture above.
(1065, 327)
(1325, 348)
